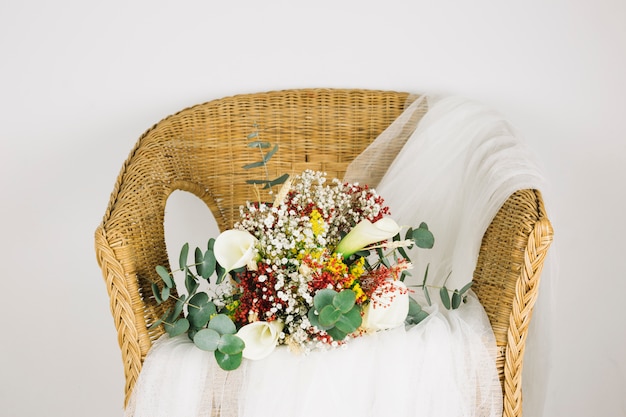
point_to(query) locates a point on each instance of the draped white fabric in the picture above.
(454, 173)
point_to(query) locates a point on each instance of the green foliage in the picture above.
(265, 157)
(219, 337)
(423, 237)
(203, 322)
(335, 312)
(416, 314)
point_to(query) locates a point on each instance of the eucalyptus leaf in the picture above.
(271, 153)
(344, 301)
(177, 328)
(314, 320)
(257, 182)
(157, 293)
(423, 237)
(208, 264)
(254, 165)
(183, 256)
(278, 181)
(200, 310)
(350, 322)
(222, 324)
(344, 325)
(336, 334)
(445, 297)
(466, 287)
(207, 339)
(228, 362)
(427, 295)
(416, 314)
(198, 256)
(231, 344)
(323, 298)
(329, 315)
(191, 333)
(191, 284)
(456, 299)
(165, 293)
(253, 135)
(220, 272)
(259, 144)
(165, 276)
(155, 324)
(178, 307)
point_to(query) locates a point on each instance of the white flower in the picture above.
(260, 337)
(388, 307)
(366, 233)
(234, 249)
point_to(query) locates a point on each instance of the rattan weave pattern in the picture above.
(202, 149)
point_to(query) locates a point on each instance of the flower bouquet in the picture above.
(322, 264)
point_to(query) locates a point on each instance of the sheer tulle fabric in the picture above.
(454, 171)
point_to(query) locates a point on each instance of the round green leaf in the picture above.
(200, 310)
(314, 319)
(323, 298)
(344, 301)
(329, 316)
(222, 324)
(354, 317)
(423, 237)
(207, 339)
(228, 362)
(350, 322)
(416, 314)
(231, 344)
(177, 328)
(336, 334)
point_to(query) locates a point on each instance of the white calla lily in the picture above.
(234, 249)
(260, 337)
(387, 308)
(365, 233)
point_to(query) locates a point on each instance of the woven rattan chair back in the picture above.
(202, 150)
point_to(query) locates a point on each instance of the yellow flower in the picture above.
(317, 223)
(360, 295)
(357, 268)
(336, 266)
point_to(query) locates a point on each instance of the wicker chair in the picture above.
(202, 149)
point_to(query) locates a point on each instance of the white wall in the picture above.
(80, 81)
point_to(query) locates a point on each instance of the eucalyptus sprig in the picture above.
(206, 324)
(265, 157)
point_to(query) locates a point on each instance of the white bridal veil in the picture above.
(451, 163)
